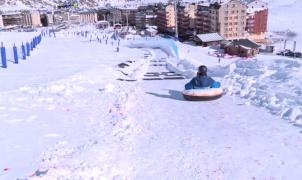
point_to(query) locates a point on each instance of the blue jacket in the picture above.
(202, 82)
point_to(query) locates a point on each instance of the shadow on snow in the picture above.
(173, 94)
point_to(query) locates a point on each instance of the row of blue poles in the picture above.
(29, 46)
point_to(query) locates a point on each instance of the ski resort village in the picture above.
(150, 90)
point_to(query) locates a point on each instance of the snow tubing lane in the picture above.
(202, 94)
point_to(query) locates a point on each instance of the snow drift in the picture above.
(270, 83)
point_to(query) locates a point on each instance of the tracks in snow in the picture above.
(157, 68)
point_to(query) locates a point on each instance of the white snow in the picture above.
(283, 15)
(70, 111)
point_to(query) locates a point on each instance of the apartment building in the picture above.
(203, 21)
(257, 16)
(183, 21)
(228, 18)
(166, 19)
(31, 18)
(87, 17)
(128, 16)
(74, 18)
(144, 19)
(192, 9)
(47, 19)
(112, 15)
(12, 19)
(103, 14)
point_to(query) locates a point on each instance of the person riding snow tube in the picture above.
(202, 87)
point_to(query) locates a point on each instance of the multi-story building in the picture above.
(74, 18)
(228, 18)
(31, 18)
(183, 21)
(103, 14)
(112, 15)
(166, 19)
(128, 16)
(144, 19)
(12, 19)
(87, 17)
(47, 18)
(256, 23)
(140, 20)
(192, 9)
(202, 23)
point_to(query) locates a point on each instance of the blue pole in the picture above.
(31, 46)
(33, 43)
(27, 49)
(3, 56)
(23, 52)
(16, 54)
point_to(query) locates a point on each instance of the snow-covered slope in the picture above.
(283, 15)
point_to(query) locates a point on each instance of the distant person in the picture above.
(202, 80)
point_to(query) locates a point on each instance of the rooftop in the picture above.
(245, 43)
(210, 37)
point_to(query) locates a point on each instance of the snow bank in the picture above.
(270, 82)
(184, 58)
(166, 45)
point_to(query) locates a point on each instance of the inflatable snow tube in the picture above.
(202, 94)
